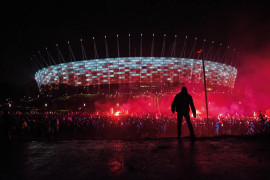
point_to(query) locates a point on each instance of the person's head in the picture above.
(184, 90)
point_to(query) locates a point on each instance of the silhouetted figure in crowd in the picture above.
(181, 104)
(5, 125)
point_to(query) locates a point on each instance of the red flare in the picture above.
(199, 51)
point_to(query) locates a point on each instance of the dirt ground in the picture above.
(205, 158)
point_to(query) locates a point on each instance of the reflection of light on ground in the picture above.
(117, 147)
(116, 166)
(116, 163)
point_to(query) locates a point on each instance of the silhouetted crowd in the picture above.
(107, 126)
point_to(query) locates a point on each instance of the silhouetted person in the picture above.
(181, 104)
(5, 125)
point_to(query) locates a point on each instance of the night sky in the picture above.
(29, 27)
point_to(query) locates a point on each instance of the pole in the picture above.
(205, 91)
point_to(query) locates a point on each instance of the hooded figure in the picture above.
(181, 104)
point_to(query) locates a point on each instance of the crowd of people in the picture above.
(110, 126)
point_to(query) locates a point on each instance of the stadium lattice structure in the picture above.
(137, 74)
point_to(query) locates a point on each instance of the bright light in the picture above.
(117, 113)
(46, 105)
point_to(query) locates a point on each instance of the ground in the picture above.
(205, 158)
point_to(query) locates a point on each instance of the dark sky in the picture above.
(29, 27)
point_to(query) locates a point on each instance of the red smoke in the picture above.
(251, 93)
(253, 82)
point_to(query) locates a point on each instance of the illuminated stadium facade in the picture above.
(163, 70)
(135, 75)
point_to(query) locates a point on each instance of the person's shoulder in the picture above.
(176, 96)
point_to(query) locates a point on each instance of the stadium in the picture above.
(135, 73)
(132, 76)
